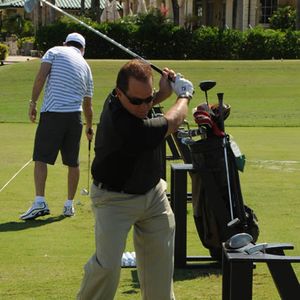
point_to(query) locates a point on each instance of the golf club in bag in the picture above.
(218, 206)
(30, 4)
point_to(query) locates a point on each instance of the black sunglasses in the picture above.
(139, 101)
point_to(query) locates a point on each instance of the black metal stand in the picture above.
(178, 199)
(238, 272)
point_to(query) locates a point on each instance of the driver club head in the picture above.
(238, 241)
(207, 85)
(84, 192)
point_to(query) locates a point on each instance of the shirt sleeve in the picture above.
(49, 56)
(140, 135)
(89, 83)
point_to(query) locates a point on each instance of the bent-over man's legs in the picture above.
(154, 245)
(114, 215)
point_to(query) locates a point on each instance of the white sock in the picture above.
(39, 199)
(69, 203)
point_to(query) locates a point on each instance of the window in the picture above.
(267, 7)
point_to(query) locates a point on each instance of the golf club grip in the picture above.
(90, 132)
(158, 70)
(220, 99)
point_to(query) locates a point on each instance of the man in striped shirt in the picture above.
(68, 92)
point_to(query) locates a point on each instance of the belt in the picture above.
(104, 186)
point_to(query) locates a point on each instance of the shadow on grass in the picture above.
(203, 270)
(196, 272)
(22, 225)
(134, 285)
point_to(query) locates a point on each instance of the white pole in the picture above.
(7, 183)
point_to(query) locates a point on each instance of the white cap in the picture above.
(76, 37)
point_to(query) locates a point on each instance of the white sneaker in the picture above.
(36, 210)
(69, 211)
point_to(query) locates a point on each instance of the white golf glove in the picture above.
(182, 87)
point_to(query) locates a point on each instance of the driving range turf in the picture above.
(43, 259)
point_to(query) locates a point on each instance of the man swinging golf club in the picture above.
(127, 189)
(68, 91)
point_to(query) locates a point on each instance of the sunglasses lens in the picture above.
(138, 101)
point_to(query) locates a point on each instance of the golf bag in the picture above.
(210, 196)
(218, 206)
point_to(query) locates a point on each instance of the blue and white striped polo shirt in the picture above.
(70, 80)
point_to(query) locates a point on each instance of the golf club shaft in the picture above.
(89, 165)
(220, 99)
(227, 175)
(89, 160)
(206, 98)
(103, 36)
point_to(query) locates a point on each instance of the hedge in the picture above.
(3, 52)
(153, 37)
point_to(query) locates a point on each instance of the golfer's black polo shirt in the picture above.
(127, 149)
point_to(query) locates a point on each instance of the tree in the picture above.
(82, 7)
(298, 15)
(284, 18)
(95, 11)
(175, 11)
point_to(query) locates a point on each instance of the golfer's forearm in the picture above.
(88, 112)
(36, 90)
(161, 96)
(176, 114)
(89, 121)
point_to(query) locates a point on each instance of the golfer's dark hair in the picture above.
(74, 44)
(135, 68)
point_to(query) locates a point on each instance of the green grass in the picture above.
(44, 259)
(261, 93)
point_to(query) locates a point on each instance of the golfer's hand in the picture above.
(89, 133)
(32, 112)
(182, 86)
(165, 89)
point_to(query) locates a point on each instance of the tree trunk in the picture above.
(175, 11)
(298, 15)
(95, 10)
(52, 13)
(82, 7)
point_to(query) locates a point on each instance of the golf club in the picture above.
(30, 4)
(23, 167)
(244, 242)
(238, 240)
(233, 221)
(205, 86)
(86, 192)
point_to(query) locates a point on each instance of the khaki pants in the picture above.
(154, 229)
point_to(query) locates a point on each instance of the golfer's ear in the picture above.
(118, 92)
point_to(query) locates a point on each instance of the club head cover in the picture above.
(202, 118)
(226, 111)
